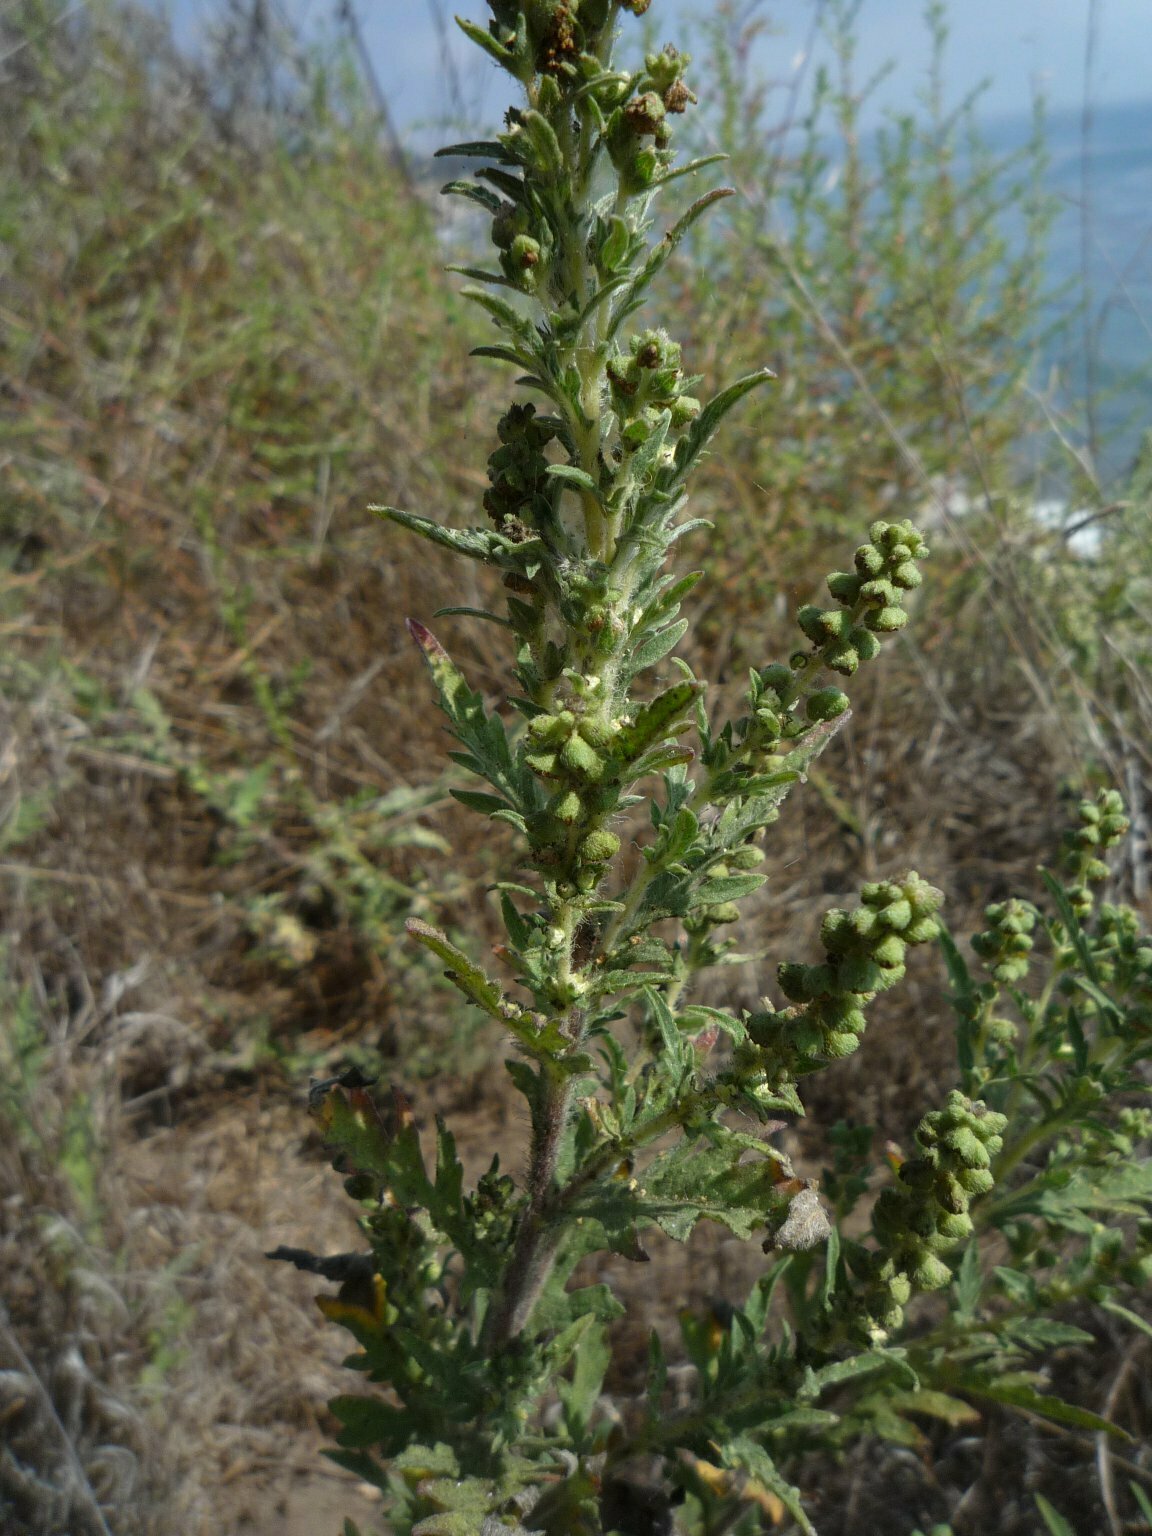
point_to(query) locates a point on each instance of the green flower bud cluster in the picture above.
(1122, 957)
(525, 243)
(595, 607)
(773, 722)
(409, 1263)
(781, 707)
(574, 750)
(661, 92)
(517, 469)
(1102, 825)
(1121, 1141)
(1123, 950)
(870, 598)
(866, 951)
(559, 43)
(927, 1213)
(646, 383)
(772, 715)
(770, 718)
(569, 746)
(550, 37)
(739, 861)
(1006, 945)
(493, 1208)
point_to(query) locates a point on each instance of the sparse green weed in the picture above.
(486, 1313)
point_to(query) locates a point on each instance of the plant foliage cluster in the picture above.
(475, 1309)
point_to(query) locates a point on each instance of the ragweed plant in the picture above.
(647, 1109)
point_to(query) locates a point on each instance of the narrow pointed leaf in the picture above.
(484, 736)
(656, 719)
(503, 355)
(488, 43)
(656, 646)
(692, 444)
(633, 294)
(475, 543)
(476, 800)
(473, 193)
(472, 613)
(476, 149)
(463, 972)
(578, 479)
(480, 275)
(691, 168)
(1017, 1394)
(1053, 1519)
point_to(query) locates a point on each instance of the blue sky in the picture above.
(1013, 44)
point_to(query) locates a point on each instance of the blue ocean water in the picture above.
(1100, 248)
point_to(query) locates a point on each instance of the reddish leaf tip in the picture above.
(426, 640)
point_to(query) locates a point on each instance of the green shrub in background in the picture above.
(879, 271)
(1099, 608)
(642, 821)
(899, 280)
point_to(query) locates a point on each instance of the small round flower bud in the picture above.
(839, 1045)
(837, 930)
(977, 1181)
(747, 857)
(842, 658)
(793, 981)
(820, 624)
(597, 733)
(826, 704)
(568, 807)
(931, 1273)
(879, 593)
(869, 562)
(844, 586)
(886, 620)
(896, 915)
(955, 1227)
(778, 678)
(863, 922)
(900, 1289)
(600, 846)
(525, 251)
(889, 952)
(579, 758)
(685, 408)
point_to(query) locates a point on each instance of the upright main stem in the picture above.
(538, 1234)
(534, 1250)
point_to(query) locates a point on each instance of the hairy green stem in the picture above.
(534, 1249)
